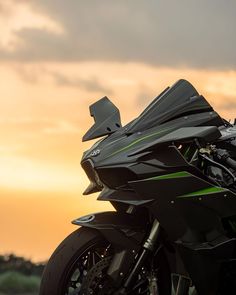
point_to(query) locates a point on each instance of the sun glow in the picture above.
(43, 117)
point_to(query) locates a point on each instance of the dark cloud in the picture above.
(196, 33)
(91, 85)
(33, 74)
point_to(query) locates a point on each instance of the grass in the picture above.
(12, 282)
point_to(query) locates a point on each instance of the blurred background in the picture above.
(56, 58)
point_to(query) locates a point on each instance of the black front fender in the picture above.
(121, 229)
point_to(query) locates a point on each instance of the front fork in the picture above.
(147, 249)
(183, 285)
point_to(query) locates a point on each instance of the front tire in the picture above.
(79, 264)
(56, 276)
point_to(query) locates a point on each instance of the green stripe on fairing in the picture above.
(138, 140)
(205, 191)
(171, 175)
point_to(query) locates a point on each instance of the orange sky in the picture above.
(43, 116)
(41, 126)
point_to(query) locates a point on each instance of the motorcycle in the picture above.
(170, 175)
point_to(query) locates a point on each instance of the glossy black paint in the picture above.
(180, 100)
(142, 165)
(121, 229)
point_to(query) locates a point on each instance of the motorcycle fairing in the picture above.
(117, 147)
(196, 213)
(116, 176)
(165, 159)
(204, 134)
(195, 204)
(122, 196)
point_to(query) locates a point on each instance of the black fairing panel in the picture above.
(192, 203)
(122, 196)
(204, 134)
(110, 220)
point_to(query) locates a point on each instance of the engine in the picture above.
(218, 161)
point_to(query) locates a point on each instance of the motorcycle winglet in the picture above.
(123, 230)
(107, 119)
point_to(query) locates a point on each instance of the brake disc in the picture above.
(96, 281)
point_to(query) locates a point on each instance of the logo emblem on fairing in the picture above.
(94, 153)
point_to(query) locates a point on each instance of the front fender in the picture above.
(121, 229)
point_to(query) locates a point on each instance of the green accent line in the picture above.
(137, 141)
(206, 191)
(171, 175)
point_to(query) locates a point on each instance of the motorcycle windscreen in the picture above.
(181, 99)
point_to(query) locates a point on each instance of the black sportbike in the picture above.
(170, 174)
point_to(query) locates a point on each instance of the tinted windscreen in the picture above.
(176, 101)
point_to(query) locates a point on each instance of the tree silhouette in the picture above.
(14, 263)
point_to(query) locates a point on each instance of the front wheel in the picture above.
(79, 267)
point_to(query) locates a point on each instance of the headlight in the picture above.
(95, 182)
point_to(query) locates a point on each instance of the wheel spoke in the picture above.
(100, 256)
(87, 261)
(91, 260)
(88, 276)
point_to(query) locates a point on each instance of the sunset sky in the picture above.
(56, 58)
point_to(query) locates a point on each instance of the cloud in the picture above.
(90, 84)
(30, 74)
(179, 33)
(36, 73)
(17, 16)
